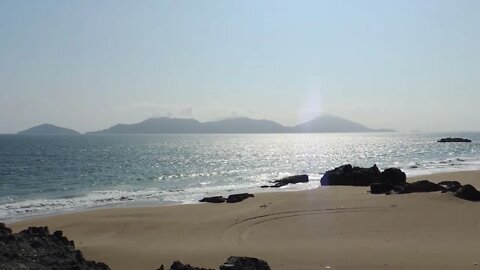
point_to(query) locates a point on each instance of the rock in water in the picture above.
(468, 192)
(244, 263)
(214, 199)
(295, 179)
(234, 198)
(454, 140)
(347, 175)
(36, 248)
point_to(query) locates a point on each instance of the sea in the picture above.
(48, 175)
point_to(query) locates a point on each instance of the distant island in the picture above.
(166, 125)
(48, 129)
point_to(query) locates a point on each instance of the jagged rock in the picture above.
(214, 199)
(36, 248)
(393, 176)
(244, 263)
(454, 140)
(468, 192)
(418, 186)
(347, 175)
(180, 266)
(380, 188)
(234, 198)
(451, 186)
(295, 179)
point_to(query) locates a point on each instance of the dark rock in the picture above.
(451, 186)
(418, 186)
(234, 198)
(36, 248)
(295, 179)
(393, 176)
(214, 199)
(347, 175)
(244, 263)
(180, 266)
(454, 140)
(380, 188)
(468, 192)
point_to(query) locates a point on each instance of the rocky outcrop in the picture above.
(393, 176)
(451, 186)
(347, 175)
(244, 263)
(380, 188)
(180, 266)
(295, 179)
(468, 192)
(234, 198)
(232, 263)
(36, 248)
(214, 199)
(418, 186)
(453, 140)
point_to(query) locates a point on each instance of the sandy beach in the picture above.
(324, 228)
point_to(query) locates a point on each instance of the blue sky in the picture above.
(88, 65)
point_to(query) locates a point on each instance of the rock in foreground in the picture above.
(295, 179)
(36, 248)
(454, 140)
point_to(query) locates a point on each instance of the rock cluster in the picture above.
(393, 181)
(347, 175)
(295, 179)
(36, 248)
(232, 263)
(234, 198)
(454, 140)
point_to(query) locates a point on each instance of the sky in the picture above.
(87, 65)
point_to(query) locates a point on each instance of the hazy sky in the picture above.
(88, 65)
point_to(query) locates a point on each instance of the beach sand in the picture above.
(324, 228)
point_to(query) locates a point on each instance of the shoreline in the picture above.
(309, 229)
(148, 203)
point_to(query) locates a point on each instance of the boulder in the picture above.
(244, 263)
(214, 199)
(451, 186)
(468, 192)
(180, 266)
(295, 179)
(443, 140)
(418, 186)
(234, 198)
(393, 176)
(36, 248)
(347, 175)
(380, 188)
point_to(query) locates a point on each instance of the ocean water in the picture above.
(42, 175)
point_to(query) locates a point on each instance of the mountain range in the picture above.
(166, 125)
(322, 124)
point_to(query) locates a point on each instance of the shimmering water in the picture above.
(51, 174)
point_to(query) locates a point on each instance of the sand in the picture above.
(324, 228)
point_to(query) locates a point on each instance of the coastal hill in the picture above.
(330, 123)
(48, 129)
(167, 125)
